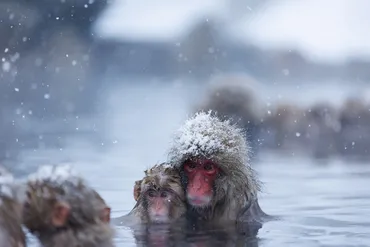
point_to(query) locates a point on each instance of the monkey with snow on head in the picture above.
(213, 159)
(62, 210)
(11, 233)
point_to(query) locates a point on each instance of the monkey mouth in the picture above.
(197, 201)
(159, 219)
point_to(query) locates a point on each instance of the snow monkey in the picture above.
(213, 160)
(60, 209)
(159, 195)
(11, 233)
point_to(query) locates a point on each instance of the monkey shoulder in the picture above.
(129, 219)
(254, 213)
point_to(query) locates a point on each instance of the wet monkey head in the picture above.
(160, 197)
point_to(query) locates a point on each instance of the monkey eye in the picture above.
(151, 193)
(164, 194)
(190, 166)
(210, 168)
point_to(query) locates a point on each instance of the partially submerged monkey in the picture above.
(11, 233)
(62, 210)
(213, 159)
(159, 195)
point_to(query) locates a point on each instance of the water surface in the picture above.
(319, 204)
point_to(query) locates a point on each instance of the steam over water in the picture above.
(318, 204)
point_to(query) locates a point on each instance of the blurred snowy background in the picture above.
(295, 72)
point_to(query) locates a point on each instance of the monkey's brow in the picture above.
(155, 187)
(174, 180)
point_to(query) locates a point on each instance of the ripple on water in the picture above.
(320, 206)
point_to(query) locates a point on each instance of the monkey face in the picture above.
(159, 204)
(201, 174)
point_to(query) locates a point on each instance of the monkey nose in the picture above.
(198, 181)
(197, 185)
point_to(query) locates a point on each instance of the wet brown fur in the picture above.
(159, 177)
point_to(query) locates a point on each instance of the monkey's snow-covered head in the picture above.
(57, 174)
(9, 187)
(61, 181)
(206, 135)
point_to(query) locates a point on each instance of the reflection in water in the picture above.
(165, 236)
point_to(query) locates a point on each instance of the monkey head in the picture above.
(212, 156)
(160, 197)
(58, 199)
(10, 190)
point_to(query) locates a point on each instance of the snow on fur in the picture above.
(62, 176)
(206, 135)
(10, 187)
(57, 174)
(6, 183)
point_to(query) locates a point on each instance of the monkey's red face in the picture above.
(201, 175)
(159, 203)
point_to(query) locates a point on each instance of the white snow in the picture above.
(204, 135)
(6, 66)
(6, 182)
(165, 165)
(54, 173)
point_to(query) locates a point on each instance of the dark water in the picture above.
(318, 204)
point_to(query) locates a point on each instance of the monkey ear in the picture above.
(60, 214)
(137, 189)
(106, 215)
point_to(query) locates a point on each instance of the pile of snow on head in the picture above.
(205, 135)
(56, 177)
(57, 174)
(6, 183)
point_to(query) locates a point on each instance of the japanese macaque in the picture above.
(213, 158)
(60, 209)
(11, 233)
(159, 195)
